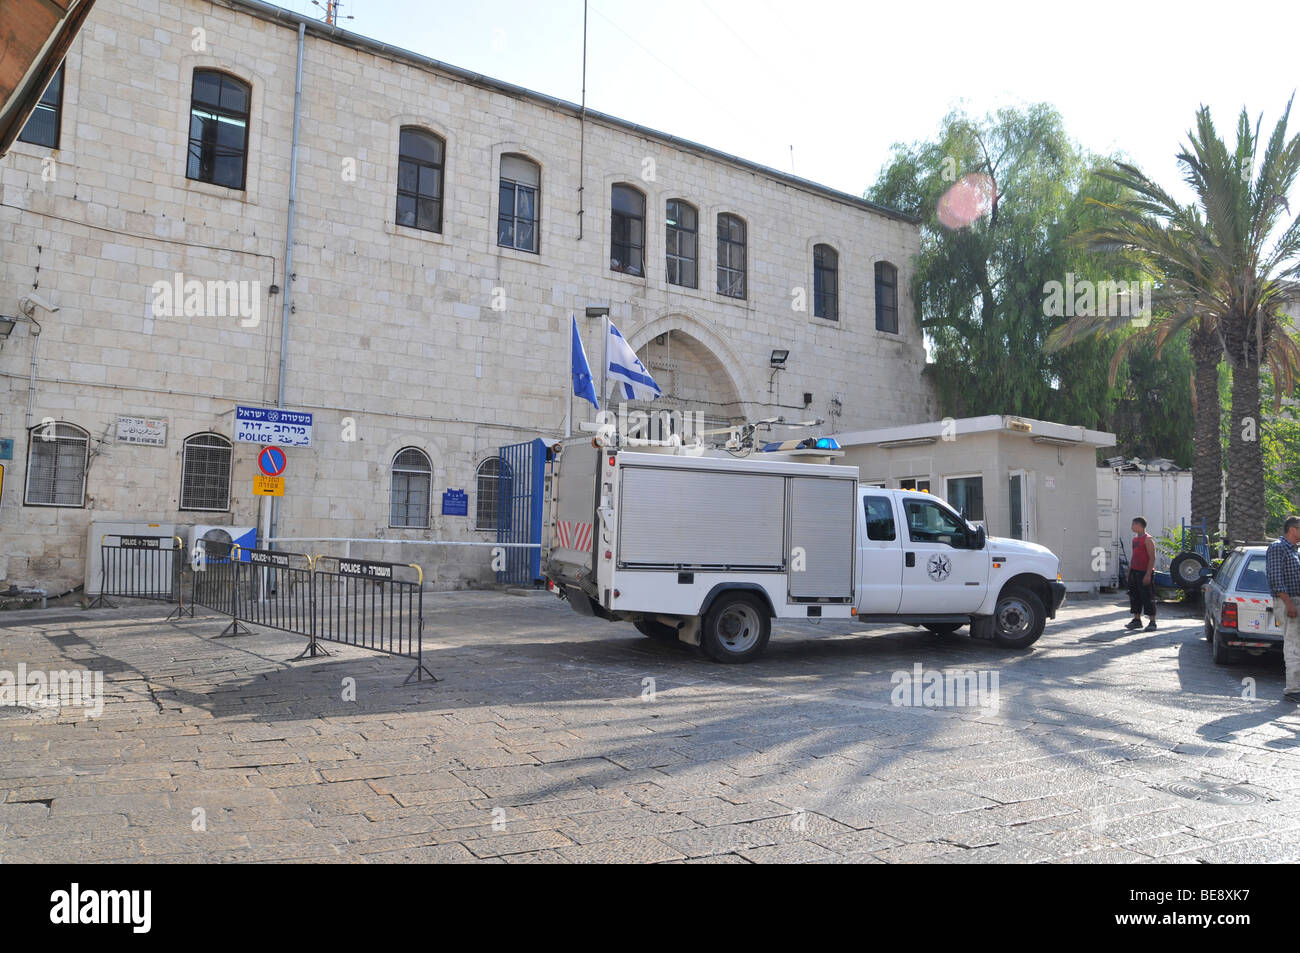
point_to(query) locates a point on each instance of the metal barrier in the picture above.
(215, 586)
(139, 567)
(366, 604)
(274, 590)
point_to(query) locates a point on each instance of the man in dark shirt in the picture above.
(1282, 563)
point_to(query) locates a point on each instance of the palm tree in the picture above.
(1219, 272)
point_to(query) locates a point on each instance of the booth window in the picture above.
(57, 455)
(205, 472)
(411, 487)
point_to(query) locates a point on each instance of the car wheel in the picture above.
(658, 631)
(1018, 618)
(1221, 654)
(736, 628)
(1209, 630)
(944, 628)
(1186, 571)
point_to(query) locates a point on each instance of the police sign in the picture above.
(269, 425)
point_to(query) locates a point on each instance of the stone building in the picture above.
(444, 228)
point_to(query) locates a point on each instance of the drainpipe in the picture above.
(269, 513)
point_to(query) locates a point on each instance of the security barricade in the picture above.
(139, 567)
(369, 604)
(215, 586)
(274, 590)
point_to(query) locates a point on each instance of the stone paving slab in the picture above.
(541, 744)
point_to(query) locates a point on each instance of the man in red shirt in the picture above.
(1141, 590)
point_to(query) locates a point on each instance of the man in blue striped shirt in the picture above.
(1282, 563)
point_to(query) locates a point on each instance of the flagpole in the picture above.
(604, 364)
(568, 387)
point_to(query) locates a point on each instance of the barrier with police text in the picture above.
(139, 567)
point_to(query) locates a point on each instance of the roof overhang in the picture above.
(34, 38)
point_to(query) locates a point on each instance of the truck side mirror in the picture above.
(980, 538)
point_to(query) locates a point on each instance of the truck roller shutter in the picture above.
(821, 522)
(701, 518)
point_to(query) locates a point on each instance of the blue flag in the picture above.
(582, 383)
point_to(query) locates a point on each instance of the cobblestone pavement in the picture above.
(544, 742)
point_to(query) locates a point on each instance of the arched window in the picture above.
(886, 297)
(57, 454)
(517, 218)
(412, 482)
(492, 485)
(682, 243)
(205, 472)
(627, 231)
(826, 282)
(731, 256)
(219, 108)
(420, 157)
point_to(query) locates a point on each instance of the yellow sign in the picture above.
(268, 485)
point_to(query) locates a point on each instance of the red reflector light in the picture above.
(1229, 618)
(608, 554)
(611, 461)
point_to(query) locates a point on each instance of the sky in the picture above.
(824, 89)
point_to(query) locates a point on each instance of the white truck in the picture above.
(707, 548)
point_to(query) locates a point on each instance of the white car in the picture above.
(1239, 613)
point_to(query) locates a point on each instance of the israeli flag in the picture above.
(582, 383)
(627, 370)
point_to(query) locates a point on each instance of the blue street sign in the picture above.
(6, 448)
(455, 503)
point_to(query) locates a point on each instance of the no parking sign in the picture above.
(271, 461)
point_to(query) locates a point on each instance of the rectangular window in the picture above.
(731, 256)
(826, 283)
(627, 231)
(915, 483)
(682, 234)
(42, 126)
(517, 204)
(410, 500)
(218, 149)
(886, 297)
(966, 494)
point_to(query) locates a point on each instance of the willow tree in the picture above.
(998, 199)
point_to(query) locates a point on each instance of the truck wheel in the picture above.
(736, 628)
(1186, 571)
(658, 631)
(944, 628)
(1018, 618)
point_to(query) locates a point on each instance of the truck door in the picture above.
(941, 573)
(880, 559)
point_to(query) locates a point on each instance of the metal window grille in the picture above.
(419, 180)
(487, 506)
(57, 455)
(411, 486)
(731, 256)
(826, 281)
(205, 473)
(682, 244)
(218, 151)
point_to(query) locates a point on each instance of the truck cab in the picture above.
(921, 563)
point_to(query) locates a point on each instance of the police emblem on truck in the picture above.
(939, 567)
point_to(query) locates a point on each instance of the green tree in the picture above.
(979, 283)
(1154, 414)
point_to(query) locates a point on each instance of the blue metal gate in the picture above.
(519, 510)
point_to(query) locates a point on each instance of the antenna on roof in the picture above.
(331, 8)
(792, 158)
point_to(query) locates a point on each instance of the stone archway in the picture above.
(696, 370)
